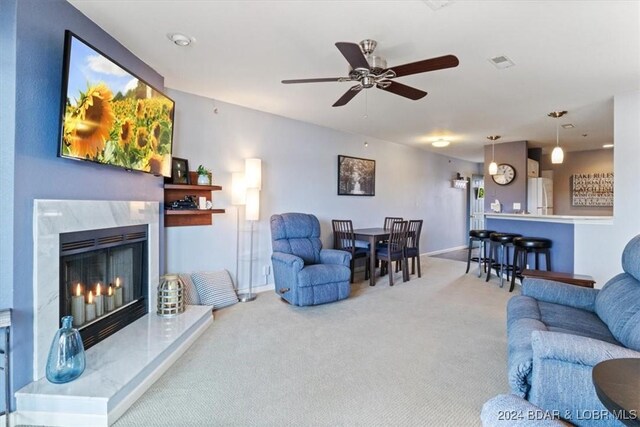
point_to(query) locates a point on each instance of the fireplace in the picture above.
(103, 279)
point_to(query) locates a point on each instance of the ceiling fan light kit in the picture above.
(493, 166)
(369, 70)
(440, 143)
(557, 155)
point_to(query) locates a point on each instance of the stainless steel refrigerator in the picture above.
(540, 196)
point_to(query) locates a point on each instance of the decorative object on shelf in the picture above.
(493, 166)
(506, 174)
(496, 207)
(253, 183)
(179, 171)
(459, 182)
(170, 295)
(592, 189)
(356, 176)
(557, 155)
(204, 176)
(66, 360)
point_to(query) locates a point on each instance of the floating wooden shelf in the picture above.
(183, 217)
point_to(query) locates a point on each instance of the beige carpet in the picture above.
(428, 352)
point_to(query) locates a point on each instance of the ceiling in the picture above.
(568, 55)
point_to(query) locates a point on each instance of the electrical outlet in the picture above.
(266, 270)
(516, 206)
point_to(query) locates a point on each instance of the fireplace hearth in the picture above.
(103, 277)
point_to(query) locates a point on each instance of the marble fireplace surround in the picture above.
(52, 217)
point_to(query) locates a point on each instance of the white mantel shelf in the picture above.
(119, 370)
(565, 219)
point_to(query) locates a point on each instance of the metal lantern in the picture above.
(170, 295)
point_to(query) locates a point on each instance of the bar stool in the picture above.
(481, 236)
(523, 247)
(499, 244)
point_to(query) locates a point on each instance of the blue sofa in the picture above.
(558, 332)
(304, 273)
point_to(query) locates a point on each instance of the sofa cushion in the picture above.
(191, 293)
(631, 258)
(561, 318)
(520, 307)
(297, 234)
(618, 305)
(320, 274)
(215, 288)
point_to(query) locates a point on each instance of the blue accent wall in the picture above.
(561, 236)
(39, 173)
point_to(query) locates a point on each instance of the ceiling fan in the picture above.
(370, 70)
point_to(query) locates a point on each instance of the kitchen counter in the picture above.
(560, 229)
(565, 219)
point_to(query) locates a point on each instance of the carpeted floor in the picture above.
(428, 352)
(457, 255)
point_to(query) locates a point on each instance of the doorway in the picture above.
(476, 203)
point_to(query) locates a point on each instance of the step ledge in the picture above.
(100, 396)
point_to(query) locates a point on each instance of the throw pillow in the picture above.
(190, 290)
(215, 288)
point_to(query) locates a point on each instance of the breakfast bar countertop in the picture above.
(566, 219)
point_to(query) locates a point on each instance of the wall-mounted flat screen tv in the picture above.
(110, 116)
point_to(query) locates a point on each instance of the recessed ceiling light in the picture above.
(501, 62)
(440, 143)
(607, 146)
(179, 39)
(568, 126)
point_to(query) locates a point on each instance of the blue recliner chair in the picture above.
(304, 273)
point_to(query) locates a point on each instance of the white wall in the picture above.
(598, 248)
(299, 167)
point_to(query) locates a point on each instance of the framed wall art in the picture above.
(179, 171)
(592, 189)
(356, 176)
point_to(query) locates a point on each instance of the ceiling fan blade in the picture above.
(433, 64)
(402, 90)
(353, 55)
(326, 79)
(348, 96)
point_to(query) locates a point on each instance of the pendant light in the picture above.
(493, 166)
(557, 155)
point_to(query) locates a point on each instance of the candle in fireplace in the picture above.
(90, 308)
(118, 299)
(77, 307)
(99, 302)
(109, 299)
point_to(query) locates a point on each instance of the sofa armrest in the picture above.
(576, 349)
(506, 410)
(560, 293)
(334, 256)
(287, 260)
(561, 378)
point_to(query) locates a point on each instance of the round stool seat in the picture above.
(503, 237)
(481, 234)
(532, 242)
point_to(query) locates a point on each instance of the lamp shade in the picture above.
(557, 155)
(493, 168)
(253, 173)
(238, 189)
(252, 212)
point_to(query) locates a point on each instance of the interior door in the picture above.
(476, 203)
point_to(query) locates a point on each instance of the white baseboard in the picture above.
(442, 251)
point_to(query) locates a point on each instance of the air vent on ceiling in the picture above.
(437, 4)
(501, 62)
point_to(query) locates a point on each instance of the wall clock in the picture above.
(506, 174)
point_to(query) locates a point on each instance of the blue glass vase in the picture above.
(66, 360)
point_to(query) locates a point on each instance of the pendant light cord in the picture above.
(557, 133)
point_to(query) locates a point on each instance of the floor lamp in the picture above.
(238, 198)
(253, 183)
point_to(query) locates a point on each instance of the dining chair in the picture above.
(413, 245)
(394, 251)
(344, 239)
(389, 220)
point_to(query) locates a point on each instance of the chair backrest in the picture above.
(297, 234)
(343, 237)
(398, 236)
(413, 236)
(390, 220)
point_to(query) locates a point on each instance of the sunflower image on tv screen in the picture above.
(112, 117)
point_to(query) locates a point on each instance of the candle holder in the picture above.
(170, 296)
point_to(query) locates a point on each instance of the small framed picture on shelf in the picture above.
(179, 171)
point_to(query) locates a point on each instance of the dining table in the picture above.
(373, 236)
